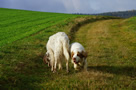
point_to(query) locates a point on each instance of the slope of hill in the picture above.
(18, 24)
(110, 44)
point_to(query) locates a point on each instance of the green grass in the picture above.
(18, 24)
(21, 65)
(110, 44)
(112, 53)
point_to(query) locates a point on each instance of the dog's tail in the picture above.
(66, 49)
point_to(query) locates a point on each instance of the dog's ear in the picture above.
(85, 54)
(45, 59)
(72, 54)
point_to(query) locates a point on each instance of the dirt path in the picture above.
(104, 42)
(110, 50)
(95, 37)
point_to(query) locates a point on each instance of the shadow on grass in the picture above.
(25, 74)
(118, 70)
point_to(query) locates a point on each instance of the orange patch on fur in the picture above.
(82, 54)
(85, 54)
(72, 54)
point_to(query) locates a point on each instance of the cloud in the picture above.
(70, 6)
(112, 5)
(37, 5)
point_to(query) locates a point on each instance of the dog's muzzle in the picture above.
(76, 62)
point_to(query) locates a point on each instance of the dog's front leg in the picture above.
(52, 66)
(52, 61)
(85, 64)
(60, 66)
(55, 66)
(75, 66)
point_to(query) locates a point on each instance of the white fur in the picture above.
(57, 48)
(75, 48)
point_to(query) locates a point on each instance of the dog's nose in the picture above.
(74, 59)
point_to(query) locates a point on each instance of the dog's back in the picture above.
(58, 46)
(76, 47)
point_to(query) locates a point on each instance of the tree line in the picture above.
(122, 14)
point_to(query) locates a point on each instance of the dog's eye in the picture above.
(80, 55)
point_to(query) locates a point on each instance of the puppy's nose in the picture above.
(74, 59)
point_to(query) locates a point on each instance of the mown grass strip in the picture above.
(111, 53)
(17, 24)
(85, 21)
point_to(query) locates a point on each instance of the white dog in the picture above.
(78, 55)
(57, 49)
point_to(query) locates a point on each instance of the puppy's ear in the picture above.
(72, 54)
(85, 54)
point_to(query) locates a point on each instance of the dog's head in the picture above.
(46, 58)
(78, 56)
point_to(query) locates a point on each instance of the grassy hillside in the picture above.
(21, 65)
(110, 64)
(17, 24)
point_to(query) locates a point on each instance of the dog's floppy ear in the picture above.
(72, 54)
(85, 54)
(45, 59)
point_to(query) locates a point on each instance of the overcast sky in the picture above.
(70, 6)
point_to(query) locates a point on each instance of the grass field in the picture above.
(18, 24)
(110, 44)
(112, 53)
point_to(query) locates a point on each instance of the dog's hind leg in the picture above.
(67, 66)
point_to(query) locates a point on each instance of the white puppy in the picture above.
(78, 55)
(57, 49)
